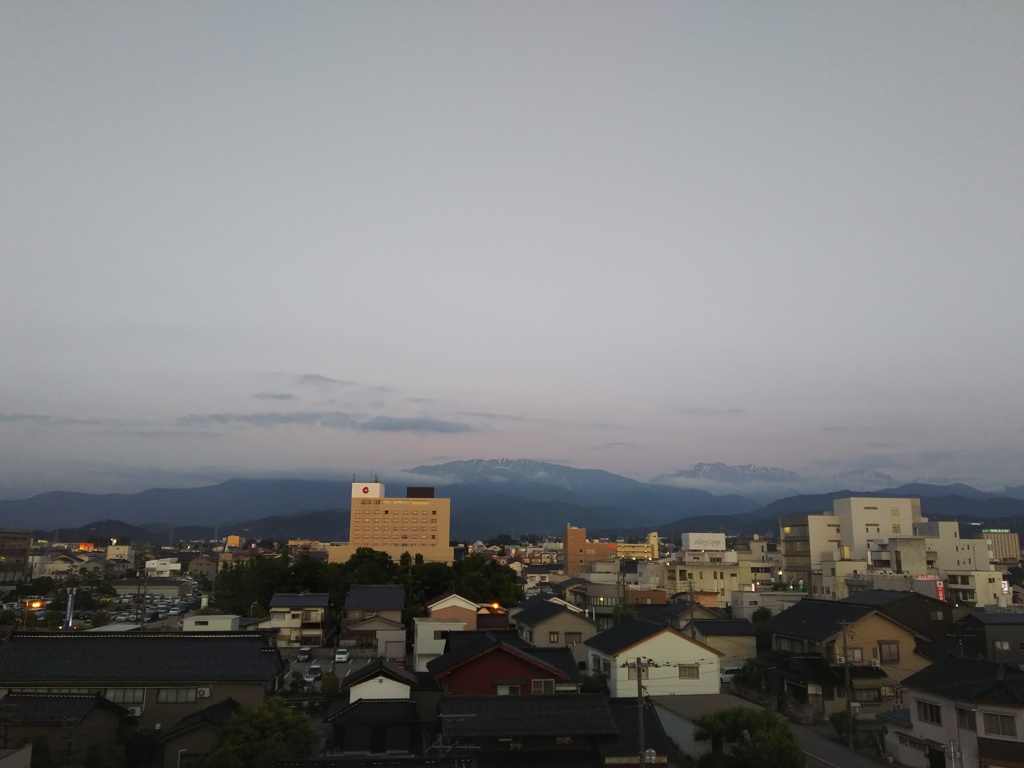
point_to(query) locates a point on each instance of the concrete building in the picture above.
(417, 523)
(577, 550)
(14, 556)
(1005, 544)
(647, 550)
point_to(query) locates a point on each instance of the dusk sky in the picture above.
(312, 239)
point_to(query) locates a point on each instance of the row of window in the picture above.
(395, 528)
(163, 695)
(995, 723)
(537, 688)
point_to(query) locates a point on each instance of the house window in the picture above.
(126, 695)
(572, 638)
(644, 672)
(553, 637)
(929, 713)
(966, 719)
(855, 654)
(202, 623)
(999, 725)
(889, 651)
(176, 695)
(896, 528)
(540, 687)
(689, 671)
(440, 634)
(508, 690)
(1002, 645)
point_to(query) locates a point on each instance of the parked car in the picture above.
(304, 654)
(314, 673)
(728, 673)
(342, 656)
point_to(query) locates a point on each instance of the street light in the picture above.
(252, 607)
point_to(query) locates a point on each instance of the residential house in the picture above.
(373, 620)
(203, 567)
(429, 637)
(813, 643)
(70, 725)
(679, 716)
(453, 606)
(560, 731)
(925, 615)
(605, 603)
(486, 665)
(553, 624)
(196, 734)
(299, 619)
(160, 678)
(678, 613)
(735, 639)
(385, 710)
(163, 568)
(993, 635)
(669, 661)
(959, 712)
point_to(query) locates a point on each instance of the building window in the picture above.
(889, 651)
(440, 634)
(552, 637)
(572, 638)
(176, 695)
(508, 690)
(689, 671)
(644, 672)
(541, 687)
(855, 654)
(999, 725)
(126, 695)
(929, 713)
(1002, 645)
(966, 719)
(896, 528)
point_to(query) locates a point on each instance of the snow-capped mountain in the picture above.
(734, 475)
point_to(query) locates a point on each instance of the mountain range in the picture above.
(488, 497)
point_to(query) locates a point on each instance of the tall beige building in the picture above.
(418, 523)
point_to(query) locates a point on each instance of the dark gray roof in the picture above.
(457, 639)
(541, 611)
(303, 600)
(880, 596)
(486, 643)
(563, 714)
(376, 711)
(215, 716)
(814, 619)
(995, 617)
(51, 708)
(73, 659)
(380, 668)
(971, 680)
(725, 627)
(625, 714)
(375, 597)
(559, 658)
(624, 635)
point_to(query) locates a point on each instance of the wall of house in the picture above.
(456, 613)
(668, 650)
(197, 741)
(379, 687)
(426, 644)
(477, 678)
(160, 715)
(98, 727)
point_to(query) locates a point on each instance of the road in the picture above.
(824, 751)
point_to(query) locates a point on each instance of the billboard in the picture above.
(713, 542)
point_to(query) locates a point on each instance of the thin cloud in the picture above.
(610, 446)
(272, 396)
(712, 411)
(315, 379)
(835, 428)
(422, 424)
(504, 416)
(45, 420)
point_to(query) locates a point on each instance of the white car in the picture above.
(342, 656)
(728, 673)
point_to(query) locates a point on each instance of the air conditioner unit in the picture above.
(875, 664)
(855, 708)
(134, 711)
(840, 659)
(202, 693)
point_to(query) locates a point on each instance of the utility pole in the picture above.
(849, 691)
(640, 707)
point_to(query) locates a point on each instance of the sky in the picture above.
(315, 239)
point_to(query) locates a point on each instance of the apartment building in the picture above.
(418, 523)
(577, 550)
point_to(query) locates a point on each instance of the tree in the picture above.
(755, 737)
(258, 737)
(761, 614)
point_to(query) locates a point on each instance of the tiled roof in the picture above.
(559, 658)
(623, 636)
(456, 640)
(542, 611)
(375, 597)
(50, 708)
(995, 617)
(487, 643)
(303, 600)
(725, 627)
(78, 658)
(377, 711)
(814, 619)
(625, 714)
(971, 680)
(216, 716)
(878, 596)
(563, 714)
(379, 668)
